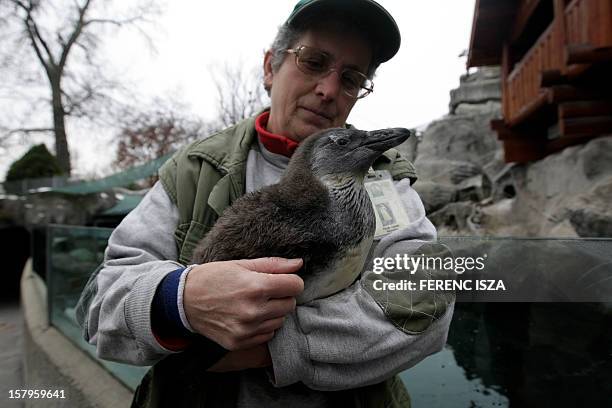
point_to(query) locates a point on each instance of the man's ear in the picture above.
(268, 74)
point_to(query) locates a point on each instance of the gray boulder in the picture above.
(591, 213)
(409, 148)
(476, 89)
(565, 191)
(462, 217)
(456, 147)
(434, 195)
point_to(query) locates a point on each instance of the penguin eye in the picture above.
(341, 141)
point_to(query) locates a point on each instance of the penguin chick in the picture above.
(319, 211)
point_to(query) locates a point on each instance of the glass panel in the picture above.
(554, 350)
(519, 355)
(73, 254)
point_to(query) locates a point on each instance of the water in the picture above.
(520, 355)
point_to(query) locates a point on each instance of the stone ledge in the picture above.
(51, 361)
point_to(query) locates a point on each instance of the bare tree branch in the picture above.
(64, 38)
(240, 93)
(35, 37)
(76, 32)
(24, 131)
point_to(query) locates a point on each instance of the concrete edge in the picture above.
(74, 368)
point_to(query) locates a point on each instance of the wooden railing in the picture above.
(523, 83)
(587, 22)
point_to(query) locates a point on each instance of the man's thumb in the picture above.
(272, 264)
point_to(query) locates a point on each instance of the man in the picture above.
(146, 306)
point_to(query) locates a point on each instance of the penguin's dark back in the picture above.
(282, 220)
(296, 218)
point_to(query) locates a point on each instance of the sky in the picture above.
(411, 90)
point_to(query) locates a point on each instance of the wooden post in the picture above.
(567, 93)
(579, 109)
(560, 40)
(587, 126)
(605, 23)
(505, 71)
(551, 77)
(587, 54)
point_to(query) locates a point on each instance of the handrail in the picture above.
(589, 22)
(524, 80)
(584, 22)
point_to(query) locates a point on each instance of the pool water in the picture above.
(520, 355)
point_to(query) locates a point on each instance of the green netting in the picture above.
(121, 179)
(127, 204)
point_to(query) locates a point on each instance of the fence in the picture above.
(21, 187)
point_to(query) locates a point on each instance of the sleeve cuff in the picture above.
(138, 312)
(179, 299)
(290, 364)
(166, 320)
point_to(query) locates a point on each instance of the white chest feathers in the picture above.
(339, 275)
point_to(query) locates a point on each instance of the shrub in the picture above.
(38, 162)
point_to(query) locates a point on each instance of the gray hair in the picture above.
(287, 37)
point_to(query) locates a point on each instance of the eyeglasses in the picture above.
(317, 63)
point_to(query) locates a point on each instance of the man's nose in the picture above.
(329, 85)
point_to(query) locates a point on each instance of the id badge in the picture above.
(388, 208)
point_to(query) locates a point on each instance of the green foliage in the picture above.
(38, 162)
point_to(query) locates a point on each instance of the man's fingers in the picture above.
(257, 340)
(276, 308)
(271, 264)
(282, 286)
(270, 325)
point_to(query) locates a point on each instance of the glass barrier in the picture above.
(532, 324)
(502, 354)
(73, 254)
(519, 355)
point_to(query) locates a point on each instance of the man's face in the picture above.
(303, 104)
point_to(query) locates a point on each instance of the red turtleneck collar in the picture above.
(275, 143)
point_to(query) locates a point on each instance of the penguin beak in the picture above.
(384, 139)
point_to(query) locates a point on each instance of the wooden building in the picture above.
(556, 64)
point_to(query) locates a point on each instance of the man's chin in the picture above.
(308, 129)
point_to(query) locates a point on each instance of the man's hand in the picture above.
(239, 304)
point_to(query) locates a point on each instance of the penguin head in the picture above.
(341, 151)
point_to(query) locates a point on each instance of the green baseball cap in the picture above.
(381, 26)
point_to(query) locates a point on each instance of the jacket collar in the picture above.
(228, 149)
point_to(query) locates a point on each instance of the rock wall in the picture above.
(458, 155)
(567, 194)
(467, 188)
(50, 208)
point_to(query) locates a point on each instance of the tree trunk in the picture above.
(61, 143)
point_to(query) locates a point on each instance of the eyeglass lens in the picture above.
(316, 62)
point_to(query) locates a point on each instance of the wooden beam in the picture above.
(565, 93)
(560, 36)
(495, 14)
(481, 59)
(576, 70)
(497, 124)
(584, 108)
(524, 12)
(529, 109)
(523, 151)
(505, 71)
(559, 144)
(505, 133)
(489, 26)
(579, 127)
(584, 54)
(471, 48)
(552, 77)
